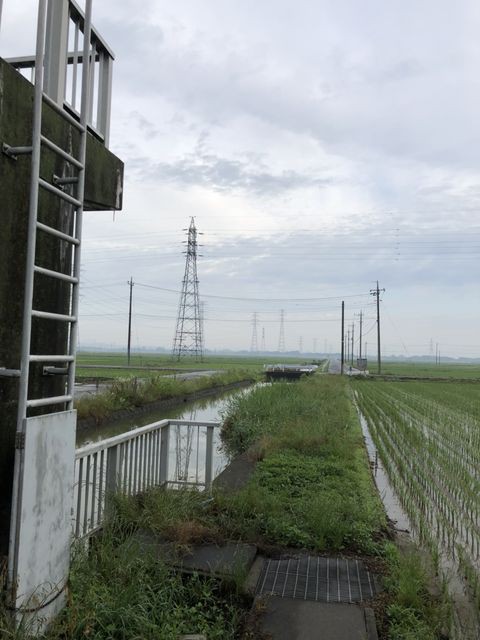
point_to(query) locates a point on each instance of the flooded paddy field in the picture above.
(426, 437)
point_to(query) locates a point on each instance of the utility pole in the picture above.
(376, 293)
(342, 350)
(130, 283)
(281, 340)
(348, 345)
(360, 338)
(353, 344)
(254, 344)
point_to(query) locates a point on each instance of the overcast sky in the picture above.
(320, 144)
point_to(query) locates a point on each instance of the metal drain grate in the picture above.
(317, 578)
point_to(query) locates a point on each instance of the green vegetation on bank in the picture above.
(412, 612)
(128, 393)
(312, 480)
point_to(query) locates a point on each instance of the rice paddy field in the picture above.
(114, 365)
(427, 434)
(449, 370)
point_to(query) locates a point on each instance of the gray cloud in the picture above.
(223, 174)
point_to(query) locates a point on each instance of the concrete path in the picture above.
(236, 474)
(286, 619)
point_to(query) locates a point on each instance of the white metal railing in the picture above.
(137, 460)
(64, 66)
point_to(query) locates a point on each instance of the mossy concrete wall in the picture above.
(103, 190)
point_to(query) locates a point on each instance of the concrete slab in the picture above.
(251, 582)
(286, 619)
(236, 475)
(227, 560)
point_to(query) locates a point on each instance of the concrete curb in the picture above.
(371, 624)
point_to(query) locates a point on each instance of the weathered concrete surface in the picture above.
(236, 474)
(286, 619)
(251, 581)
(44, 534)
(226, 560)
(104, 179)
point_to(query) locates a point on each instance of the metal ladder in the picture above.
(77, 183)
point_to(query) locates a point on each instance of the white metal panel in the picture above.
(45, 526)
(56, 43)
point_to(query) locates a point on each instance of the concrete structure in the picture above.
(46, 447)
(289, 371)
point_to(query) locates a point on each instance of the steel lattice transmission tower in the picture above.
(188, 339)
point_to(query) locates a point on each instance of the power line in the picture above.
(206, 295)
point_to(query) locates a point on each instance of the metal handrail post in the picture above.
(209, 459)
(164, 453)
(112, 479)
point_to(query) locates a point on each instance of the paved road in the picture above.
(335, 367)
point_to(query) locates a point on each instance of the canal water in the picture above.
(188, 444)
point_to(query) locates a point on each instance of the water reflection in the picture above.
(204, 409)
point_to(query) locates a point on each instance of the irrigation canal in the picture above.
(204, 409)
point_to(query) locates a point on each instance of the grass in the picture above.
(128, 393)
(119, 591)
(413, 613)
(312, 486)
